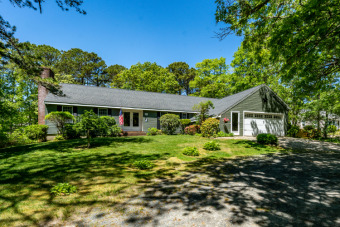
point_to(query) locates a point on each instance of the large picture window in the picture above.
(102, 112)
(68, 109)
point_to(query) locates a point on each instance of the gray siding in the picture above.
(262, 100)
(52, 129)
(149, 121)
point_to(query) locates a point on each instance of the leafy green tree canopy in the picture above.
(59, 119)
(203, 109)
(183, 74)
(89, 122)
(146, 77)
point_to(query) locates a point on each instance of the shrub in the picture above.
(169, 123)
(332, 129)
(19, 137)
(63, 189)
(308, 127)
(153, 131)
(59, 138)
(143, 164)
(36, 132)
(212, 146)
(184, 124)
(192, 129)
(223, 134)
(293, 131)
(266, 139)
(210, 127)
(107, 126)
(59, 119)
(191, 151)
(115, 131)
(89, 122)
(72, 131)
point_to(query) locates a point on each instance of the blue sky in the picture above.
(126, 32)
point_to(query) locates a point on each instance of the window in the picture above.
(127, 119)
(135, 119)
(102, 112)
(258, 115)
(277, 117)
(234, 122)
(68, 109)
(249, 115)
(268, 116)
(184, 116)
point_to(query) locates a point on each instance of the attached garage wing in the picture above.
(256, 123)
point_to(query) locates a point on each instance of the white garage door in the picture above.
(256, 123)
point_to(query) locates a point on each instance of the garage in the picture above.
(256, 123)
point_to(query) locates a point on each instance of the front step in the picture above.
(134, 133)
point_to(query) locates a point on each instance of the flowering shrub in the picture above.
(210, 127)
(192, 129)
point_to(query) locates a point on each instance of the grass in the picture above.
(104, 175)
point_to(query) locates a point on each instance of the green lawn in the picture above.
(104, 174)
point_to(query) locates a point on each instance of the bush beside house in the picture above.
(169, 123)
(210, 127)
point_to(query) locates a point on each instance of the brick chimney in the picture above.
(42, 93)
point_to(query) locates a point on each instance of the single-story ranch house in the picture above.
(250, 112)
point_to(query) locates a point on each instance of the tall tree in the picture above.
(12, 49)
(147, 77)
(87, 68)
(112, 71)
(184, 75)
(303, 35)
(211, 79)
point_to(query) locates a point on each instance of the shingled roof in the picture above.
(81, 95)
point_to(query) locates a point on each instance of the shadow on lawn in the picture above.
(70, 145)
(299, 189)
(30, 177)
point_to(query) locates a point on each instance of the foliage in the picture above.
(36, 132)
(266, 139)
(19, 137)
(203, 109)
(211, 79)
(191, 151)
(184, 124)
(192, 129)
(308, 127)
(3, 137)
(72, 131)
(169, 123)
(107, 126)
(146, 77)
(63, 189)
(59, 118)
(275, 22)
(212, 146)
(183, 75)
(59, 138)
(89, 122)
(154, 131)
(143, 164)
(293, 131)
(210, 127)
(332, 129)
(223, 134)
(86, 68)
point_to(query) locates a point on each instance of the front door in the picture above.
(132, 120)
(235, 123)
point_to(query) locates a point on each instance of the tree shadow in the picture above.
(295, 189)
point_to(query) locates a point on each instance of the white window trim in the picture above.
(231, 121)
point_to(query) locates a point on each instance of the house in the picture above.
(250, 112)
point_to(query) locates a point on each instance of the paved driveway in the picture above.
(293, 189)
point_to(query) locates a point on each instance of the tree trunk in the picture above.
(88, 138)
(325, 126)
